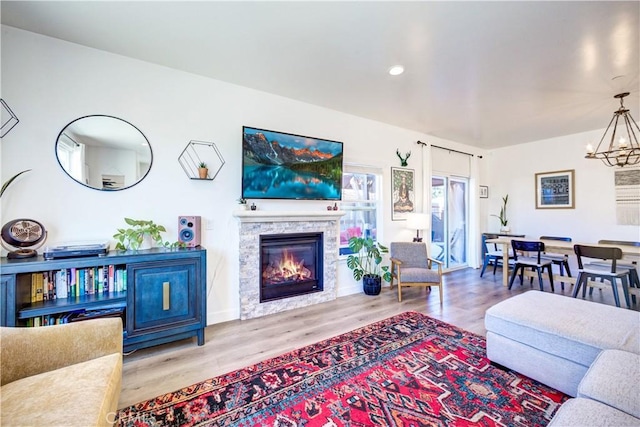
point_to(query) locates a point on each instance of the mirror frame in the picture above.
(112, 117)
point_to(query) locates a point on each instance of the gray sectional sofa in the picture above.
(587, 350)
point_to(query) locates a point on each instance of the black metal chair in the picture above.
(492, 255)
(610, 271)
(561, 260)
(535, 263)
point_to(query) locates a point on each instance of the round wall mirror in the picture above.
(104, 152)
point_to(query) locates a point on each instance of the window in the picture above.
(360, 200)
(71, 157)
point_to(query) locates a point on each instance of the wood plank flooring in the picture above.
(232, 345)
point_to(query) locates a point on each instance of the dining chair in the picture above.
(492, 254)
(634, 280)
(411, 266)
(536, 263)
(561, 260)
(611, 271)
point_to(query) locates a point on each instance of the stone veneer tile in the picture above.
(250, 305)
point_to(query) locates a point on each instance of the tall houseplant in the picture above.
(365, 263)
(503, 214)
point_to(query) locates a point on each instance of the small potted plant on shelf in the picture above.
(242, 203)
(140, 235)
(203, 170)
(503, 215)
(365, 263)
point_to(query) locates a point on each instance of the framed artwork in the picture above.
(402, 193)
(484, 192)
(555, 190)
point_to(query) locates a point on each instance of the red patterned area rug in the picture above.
(408, 370)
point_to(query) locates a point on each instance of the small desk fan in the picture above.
(24, 236)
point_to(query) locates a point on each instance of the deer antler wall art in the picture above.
(403, 161)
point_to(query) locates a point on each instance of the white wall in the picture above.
(48, 83)
(512, 171)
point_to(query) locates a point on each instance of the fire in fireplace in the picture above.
(291, 264)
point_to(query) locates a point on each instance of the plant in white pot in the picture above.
(365, 263)
(503, 215)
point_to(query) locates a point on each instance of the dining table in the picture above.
(629, 253)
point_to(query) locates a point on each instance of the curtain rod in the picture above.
(449, 149)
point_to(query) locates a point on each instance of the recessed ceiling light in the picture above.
(396, 70)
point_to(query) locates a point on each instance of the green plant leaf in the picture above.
(366, 258)
(13, 178)
(133, 237)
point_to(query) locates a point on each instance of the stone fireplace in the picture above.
(312, 245)
(290, 265)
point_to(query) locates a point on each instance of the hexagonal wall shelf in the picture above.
(197, 152)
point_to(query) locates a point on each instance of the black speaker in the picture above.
(189, 230)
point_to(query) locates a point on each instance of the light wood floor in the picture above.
(232, 345)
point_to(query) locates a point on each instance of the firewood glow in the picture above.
(286, 269)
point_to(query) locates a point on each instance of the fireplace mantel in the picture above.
(283, 216)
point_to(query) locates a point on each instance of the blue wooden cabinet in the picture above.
(161, 295)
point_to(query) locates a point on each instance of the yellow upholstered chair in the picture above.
(62, 375)
(410, 266)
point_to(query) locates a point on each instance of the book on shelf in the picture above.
(62, 284)
(81, 282)
(49, 285)
(77, 282)
(37, 287)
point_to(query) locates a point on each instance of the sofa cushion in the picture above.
(418, 275)
(83, 394)
(580, 412)
(614, 379)
(566, 327)
(556, 372)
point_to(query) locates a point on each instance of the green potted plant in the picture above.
(203, 170)
(242, 203)
(365, 263)
(503, 215)
(134, 236)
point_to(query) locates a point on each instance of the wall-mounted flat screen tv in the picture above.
(277, 165)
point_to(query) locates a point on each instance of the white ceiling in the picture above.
(488, 74)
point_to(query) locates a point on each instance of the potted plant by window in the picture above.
(203, 171)
(365, 263)
(503, 215)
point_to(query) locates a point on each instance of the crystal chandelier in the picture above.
(626, 150)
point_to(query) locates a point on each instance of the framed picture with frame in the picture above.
(555, 190)
(402, 193)
(484, 192)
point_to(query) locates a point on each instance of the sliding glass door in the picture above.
(449, 220)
